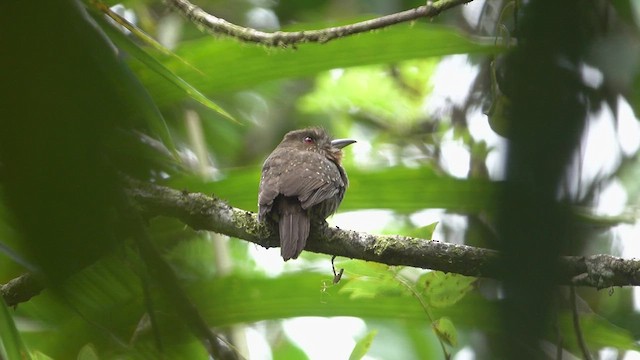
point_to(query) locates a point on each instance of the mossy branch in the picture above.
(202, 212)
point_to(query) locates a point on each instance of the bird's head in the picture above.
(317, 140)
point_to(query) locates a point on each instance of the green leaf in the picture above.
(445, 331)
(299, 294)
(372, 90)
(363, 279)
(286, 350)
(112, 288)
(138, 99)
(11, 346)
(230, 65)
(597, 331)
(401, 189)
(363, 345)
(369, 288)
(156, 66)
(443, 290)
(359, 268)
(424, 232)
(37, 355)
(88, 352)
(136, 31)
(406, 190)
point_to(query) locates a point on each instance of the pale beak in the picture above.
(340, 143)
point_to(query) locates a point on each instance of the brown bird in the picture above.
(301, 180)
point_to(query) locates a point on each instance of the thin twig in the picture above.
(216, 25)
(425, 307)
(337, 275)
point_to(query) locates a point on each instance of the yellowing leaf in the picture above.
(445, 331)
(443, 290)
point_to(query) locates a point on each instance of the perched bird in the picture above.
(301, 180)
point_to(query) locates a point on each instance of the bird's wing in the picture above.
(269, 187)
(324, 192)
(315, 180)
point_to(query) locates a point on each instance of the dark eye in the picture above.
(309, 140)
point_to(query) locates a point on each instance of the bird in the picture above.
(302, 179)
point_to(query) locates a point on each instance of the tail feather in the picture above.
(294, 230)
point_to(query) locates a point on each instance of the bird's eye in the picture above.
(308, 140)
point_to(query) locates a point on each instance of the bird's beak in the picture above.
(340, 143)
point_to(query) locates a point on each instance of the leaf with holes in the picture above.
(443, 290)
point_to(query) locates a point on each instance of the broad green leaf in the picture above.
(406, 190)
(230, 65)
(285, 350)
(401, 189)
(248, 299)
(597, 331)
(443, 290)
(422, 339)
(307, 294)
(359, 268)
(445, 331)
(363, 279)
(370, 287)
(363, 345)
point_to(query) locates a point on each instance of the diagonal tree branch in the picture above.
(20, 289)
(216, 25)
(202, 212)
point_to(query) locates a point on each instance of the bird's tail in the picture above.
(294, 228)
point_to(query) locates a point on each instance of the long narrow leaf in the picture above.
(156, 66)
(11, 346)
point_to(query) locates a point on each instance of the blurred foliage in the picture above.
(85, 106)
